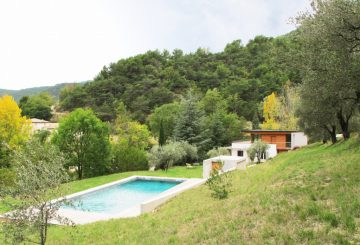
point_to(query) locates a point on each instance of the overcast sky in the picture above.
(44, 42)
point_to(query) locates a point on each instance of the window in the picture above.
(240, 153)
(288, 140)
(263, 156)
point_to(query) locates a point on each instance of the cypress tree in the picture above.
(162, 137)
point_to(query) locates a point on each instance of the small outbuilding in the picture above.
(223, 163)
(39, 124)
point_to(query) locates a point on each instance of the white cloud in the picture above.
(44, 42)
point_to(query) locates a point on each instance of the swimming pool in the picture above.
(120, 197)
(125, 198)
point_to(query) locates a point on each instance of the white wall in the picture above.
(272, 151)
(244, 146)
(230, 163)
(298, 139)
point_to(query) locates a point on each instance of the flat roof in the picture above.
(270, 130)
(35, 120)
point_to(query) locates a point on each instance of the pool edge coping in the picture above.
(84, 217)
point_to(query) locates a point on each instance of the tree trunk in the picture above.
(79, 171)
(344, 124)
(42, 228)
(332, 132)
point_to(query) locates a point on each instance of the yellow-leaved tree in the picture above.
(14, 128)
(289, 102)
(279, 111)
(271, 112)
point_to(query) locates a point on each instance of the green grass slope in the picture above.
(308, 196)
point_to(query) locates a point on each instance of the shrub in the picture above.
(39, 173)
(7, 178)
(172, 153)
(125, 157)
(257, 149)
(219, 183)
(218, 152)
(191, 153)
(165, 156)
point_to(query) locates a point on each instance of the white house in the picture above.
(278, 141)
(240, 149)
(39, 124)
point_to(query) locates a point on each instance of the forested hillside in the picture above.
(52, 90)
(243, 75)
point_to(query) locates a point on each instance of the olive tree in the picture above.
(257, 149)
(172, 153)
(218, 152)
(39, 173)
(329, 63)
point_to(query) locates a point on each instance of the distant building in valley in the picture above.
(39, 124)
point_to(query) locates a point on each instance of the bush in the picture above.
(219, 183)
(127, 158)
(39, 173)
(7, 178)
(163, 157)
(42, 135)
(191, 153)
(218, 152)
(257, 149)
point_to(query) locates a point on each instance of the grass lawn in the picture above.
(308, 196)
(84, 184)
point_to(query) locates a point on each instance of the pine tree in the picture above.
(188, 126)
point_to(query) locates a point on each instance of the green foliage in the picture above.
(167, 115)
(329, 62)
(191, 153)
(289, 104)
(257, 149)
(213, 101)
(37, 106)
(71, 97)
(238, 78)
(164, 157)
(85, 141)
(219, 183)
(132, 132)
(39, 173)
(219, 151)
(162, 139)
(216, 128)
(7, 178)
(188, 126)
(42, 135)
(125, 157)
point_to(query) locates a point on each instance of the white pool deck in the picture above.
(84, 217)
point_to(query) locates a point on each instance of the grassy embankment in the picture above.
(308, 196)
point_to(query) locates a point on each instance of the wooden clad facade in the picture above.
(282, 139)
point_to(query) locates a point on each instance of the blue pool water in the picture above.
(117, 198)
